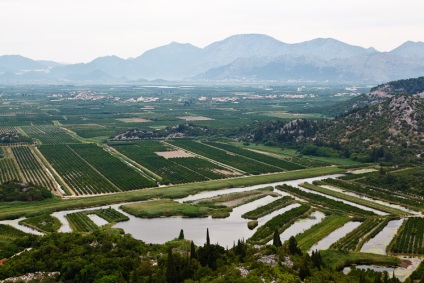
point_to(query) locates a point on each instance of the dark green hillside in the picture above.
(340, 108)
(277, 132)
(408, 86)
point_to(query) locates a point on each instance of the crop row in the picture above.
(280, 163)
(80, 222)
(120, 174)
(268, 208)
(31, 168)
(80, 176)
(371, 192)
(306, 161)
(175, 172)
(280, 222)
(48, 134)
(324, 201)
(418, 274)
(354, 240)
(355, 199)
(110, 215)
(245, 164)
(9, 231)
(203, 167)
(320, 230)
(410, 238)
(194, 164)
(145, 146)
(8, 130)
(8, 170)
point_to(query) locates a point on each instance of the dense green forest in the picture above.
(108, 256)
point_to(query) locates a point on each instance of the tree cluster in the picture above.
(18, 191)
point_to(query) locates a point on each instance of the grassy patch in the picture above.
(337, 260)
(110, 215)
(44, 223)
(164, 208)
(267, 209)
(319, 231)
(235, 199)
(252, 224)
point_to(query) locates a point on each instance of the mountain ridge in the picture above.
(250, 57)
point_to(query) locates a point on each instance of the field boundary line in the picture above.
(53, 171)
(11, 155)
(92, 167)
(207, 158)
(141, 167)
(43, 167)
(242, 156)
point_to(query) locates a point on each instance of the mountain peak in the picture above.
(410, 49)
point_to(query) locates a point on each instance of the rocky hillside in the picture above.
(380, 93)
(413, 86)
(391, 130)
(395, 127)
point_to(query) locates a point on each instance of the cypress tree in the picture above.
(181, 236)
(304, 270)
(208, 240)
(277, 241)
(293, 248)
(171, 270)
(193, 253)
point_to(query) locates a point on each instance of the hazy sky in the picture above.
(81, 30)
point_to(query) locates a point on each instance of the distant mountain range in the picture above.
(247, 57)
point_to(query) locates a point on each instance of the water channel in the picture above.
(224, 231)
